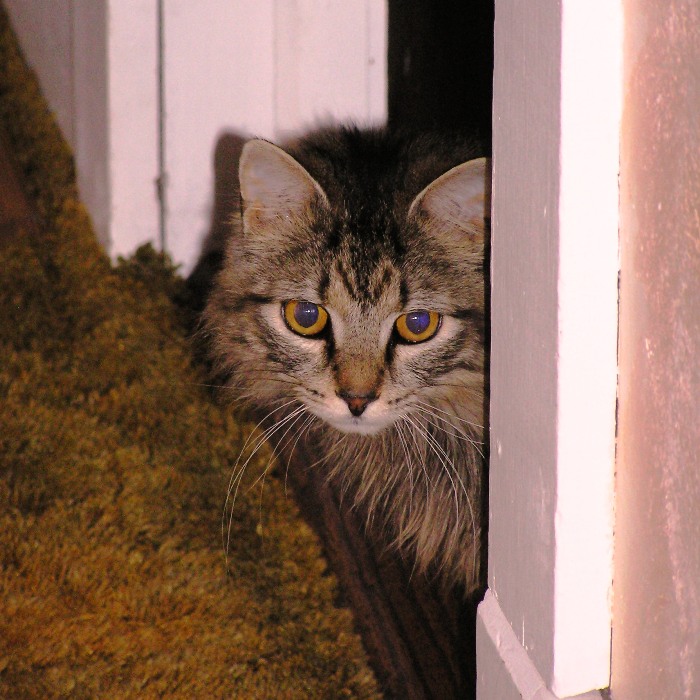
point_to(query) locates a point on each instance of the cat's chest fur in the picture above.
(352, 299)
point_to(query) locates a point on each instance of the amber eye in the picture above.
(305, 317)
(417, 326)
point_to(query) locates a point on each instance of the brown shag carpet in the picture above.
(114, 463)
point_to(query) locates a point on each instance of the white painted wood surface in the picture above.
(591, 109)
(88, 56)
(45, 32)
(331, 63)
(218, 67)
(270, 69)
(97, 65)
(132, 78)
(557, 97)
(512, 675)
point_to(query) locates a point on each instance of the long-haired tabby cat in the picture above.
(350, 307)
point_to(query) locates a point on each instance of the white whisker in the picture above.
(420, 446)
(304, 428)
(451, 415)
(409, 462)
(427, 414)
(276, 449)
(238, 472)
(444, 459)
(448, 465)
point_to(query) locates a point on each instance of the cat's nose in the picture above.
(357, 403)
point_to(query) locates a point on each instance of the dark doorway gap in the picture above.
(440, 65)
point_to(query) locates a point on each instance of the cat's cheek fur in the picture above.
(272, 314)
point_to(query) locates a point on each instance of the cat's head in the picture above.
(351, 291)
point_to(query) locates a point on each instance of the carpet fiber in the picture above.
(114, 465)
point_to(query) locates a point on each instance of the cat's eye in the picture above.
(417, 326)
(305, 317)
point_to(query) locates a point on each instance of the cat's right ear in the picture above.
(458, 201)
(277, 192)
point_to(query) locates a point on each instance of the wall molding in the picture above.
(518, 675)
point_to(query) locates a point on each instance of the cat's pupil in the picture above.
(417, 321)
(306, 314)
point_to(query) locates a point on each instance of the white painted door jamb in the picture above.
(544, 628)
(522, 674)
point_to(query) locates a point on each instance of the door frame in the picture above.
(545, 625)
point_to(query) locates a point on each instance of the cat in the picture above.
(350, 307)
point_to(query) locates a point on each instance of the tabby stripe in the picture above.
(475, 315)
(403, 293)
(242, 303)
(323, 284)
(329, 347)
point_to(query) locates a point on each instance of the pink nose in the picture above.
(357, 403)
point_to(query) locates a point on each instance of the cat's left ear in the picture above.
(459, 200)
(276, 190)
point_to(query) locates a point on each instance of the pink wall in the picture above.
(656, 609)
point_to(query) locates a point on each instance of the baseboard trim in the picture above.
(504, 669)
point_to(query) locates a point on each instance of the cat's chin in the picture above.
(357, 426)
